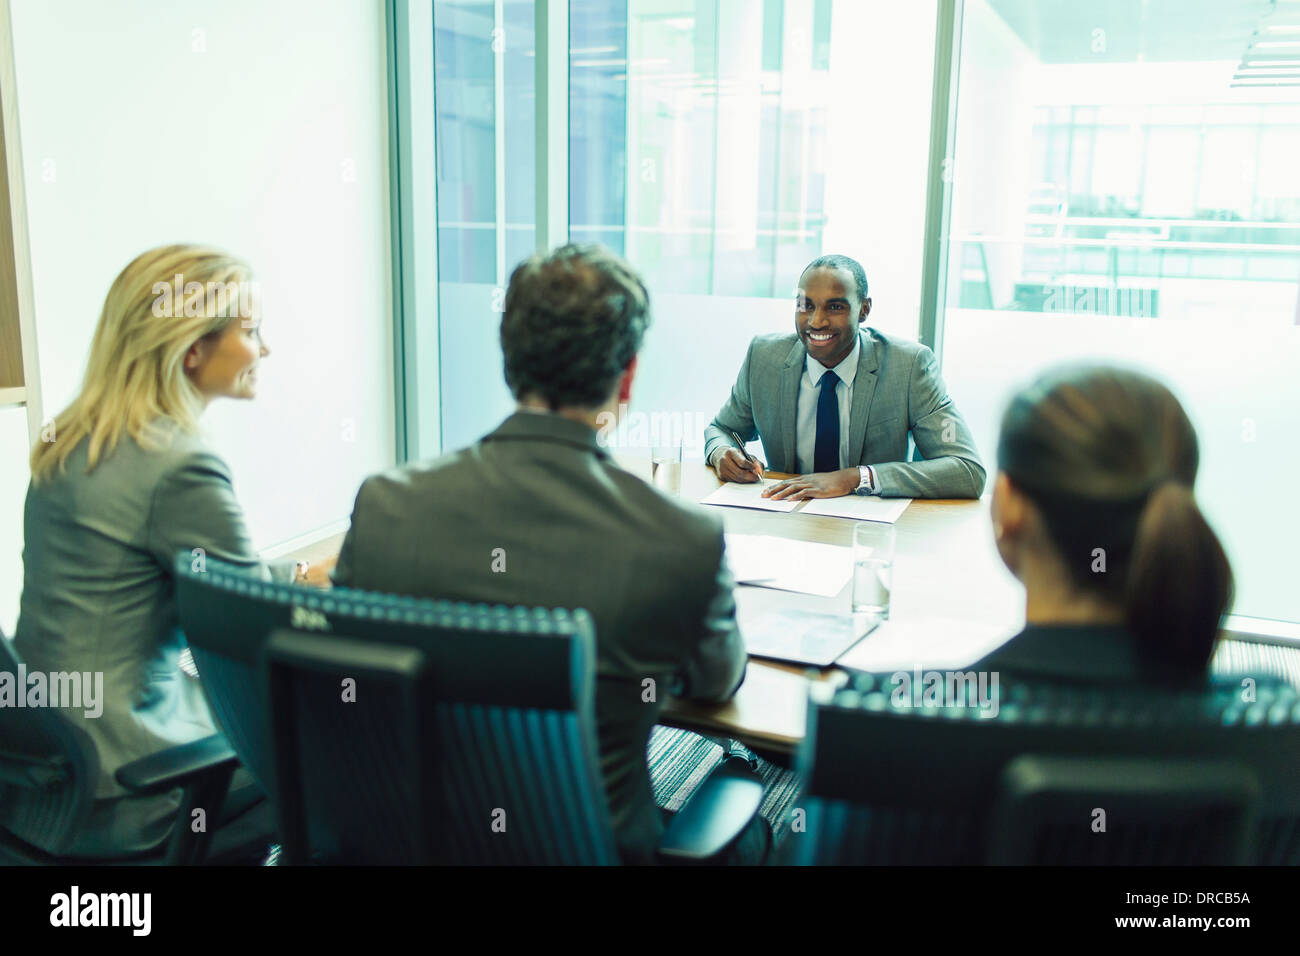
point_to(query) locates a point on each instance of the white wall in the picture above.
(13, 489)
(882, 73)
(258, 127)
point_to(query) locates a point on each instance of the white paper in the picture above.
(900, 644)
(858, 507)
(733, 494)
(788, 565)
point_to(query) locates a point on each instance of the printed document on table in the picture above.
(788, 565)
(734, 494)
(902, 644)
(858, 507)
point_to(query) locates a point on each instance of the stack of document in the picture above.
(858, 507)
(788, 565)
(903, 644)
(736, 495)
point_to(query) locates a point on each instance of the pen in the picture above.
(740, 446)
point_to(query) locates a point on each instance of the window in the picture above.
(1116, 196)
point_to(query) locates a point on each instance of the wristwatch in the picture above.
(866, 481)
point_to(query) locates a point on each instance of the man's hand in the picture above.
(825, 484)
(731, 465)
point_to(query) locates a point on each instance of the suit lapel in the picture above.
(791, 372)
(864, 386)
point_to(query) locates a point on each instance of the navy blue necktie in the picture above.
(826, 453)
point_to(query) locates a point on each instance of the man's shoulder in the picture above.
(774, 343)
(771, 350)
(895, 344)
(442, 473)
(686, 518)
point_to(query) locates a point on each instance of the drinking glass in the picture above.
(873, 568)
(666, 468)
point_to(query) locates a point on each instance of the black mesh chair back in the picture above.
(1054, 774)
(515, 716)
(463, 735)
(48, 773)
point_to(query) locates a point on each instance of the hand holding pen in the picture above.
(736, 464)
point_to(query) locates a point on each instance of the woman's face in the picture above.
(224, 365)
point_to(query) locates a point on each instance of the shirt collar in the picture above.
(846, 370)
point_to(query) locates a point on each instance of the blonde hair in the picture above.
(163, 302)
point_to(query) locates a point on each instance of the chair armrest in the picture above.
(177, 766)
(715, 814)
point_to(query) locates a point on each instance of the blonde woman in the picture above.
(121, 482)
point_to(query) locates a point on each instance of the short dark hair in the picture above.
(851, 266)
(574, 319)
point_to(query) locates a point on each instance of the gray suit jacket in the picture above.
(897, 390)
(576, 531)
(98, 597)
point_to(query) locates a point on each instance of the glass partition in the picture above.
(1125, 188)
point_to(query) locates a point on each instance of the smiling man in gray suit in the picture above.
(836, 401)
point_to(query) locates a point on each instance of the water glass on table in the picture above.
(666, 468)
(873, 568)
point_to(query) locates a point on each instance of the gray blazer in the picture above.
(575, 531)
(897, 390)
(98, 597)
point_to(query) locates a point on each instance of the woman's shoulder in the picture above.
(165, 447)
(161, 451)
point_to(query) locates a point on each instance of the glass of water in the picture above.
(873, 568)
(666, 468)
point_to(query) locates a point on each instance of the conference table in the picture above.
(952, 602)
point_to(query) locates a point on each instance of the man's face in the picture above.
(826, 314)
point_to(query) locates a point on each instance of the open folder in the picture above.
(803, 637)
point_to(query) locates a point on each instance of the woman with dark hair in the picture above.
(1093, 511)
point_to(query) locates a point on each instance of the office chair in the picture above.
(495, 710)
(1063, 774)
(49, 770)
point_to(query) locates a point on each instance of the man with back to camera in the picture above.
(835, 402)
(575, 529)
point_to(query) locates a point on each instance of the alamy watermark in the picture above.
(628, 429)
(1090, 300)
(977, 689)
(204, 299)
(61, 689)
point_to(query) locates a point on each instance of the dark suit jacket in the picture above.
(1087, 653)
(897, 391)
(1094, 654)
(575, 530)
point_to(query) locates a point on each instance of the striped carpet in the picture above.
(1249, 657)
(681, 760)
